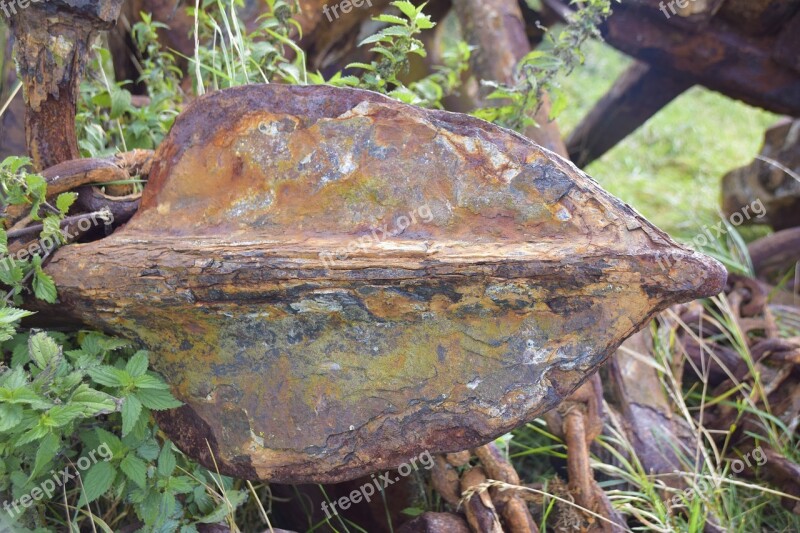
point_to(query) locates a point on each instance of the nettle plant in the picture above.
(63, 396)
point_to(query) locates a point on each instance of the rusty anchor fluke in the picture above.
(303, 357)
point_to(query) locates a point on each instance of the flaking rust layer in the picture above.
(316, 335)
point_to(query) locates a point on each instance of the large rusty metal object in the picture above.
(334, 282)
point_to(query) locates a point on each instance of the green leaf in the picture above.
(150, 382)
(61, 415)
(24, 395)
(9, 316)
(45, 453)
(10, 416)
(148, 509)
(166, 460)
(391, 19)
(10, 272)
(217, 515)
(43, 285)
(120, 102)
(32, 435)
(137, 365)
(3, 242)
(96, 482)
(158, 400)
(43, 349)
(134, 469)
(131, 410)
(361, 66)
(112, 441)
(181, 484)
(407, 8)
(107, 375)
(92, 402)
(65, 200)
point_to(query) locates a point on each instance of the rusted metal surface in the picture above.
(638, 94)
(769, 179)
(52, 43)
(480, 279)
(435, 523)
(719, 57)
(759, 17)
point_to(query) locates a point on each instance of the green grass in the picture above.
(670, 168)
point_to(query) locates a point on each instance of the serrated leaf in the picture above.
(43, 285)
(106, 375)
(61, 415)
(10, 272)
(150, 382)
(137, 364)
(148, 509)
(391, 19)
(96, 482)
(65, 200)
(158, 400)
(407, 8)
(166, 460)
(149, 450)
(32, 435)
(111, 441)
(10, 416)
(134, 469)
(24, 395)
(120, 102)
(361, 66)
(45, 453)
(43, 349)
(181, 484)
(131, 410)
(93, 402)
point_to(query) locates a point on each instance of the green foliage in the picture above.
(27, 191)
(55, 390)
(537, 73)
(75, 409)
(394, 44)
(232, 56)
(107, 119)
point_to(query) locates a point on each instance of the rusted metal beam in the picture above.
(787, 47)
(719, 57)
(52, 44)
(638, 94)
(758, 17)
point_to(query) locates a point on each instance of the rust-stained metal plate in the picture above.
(334, 282)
